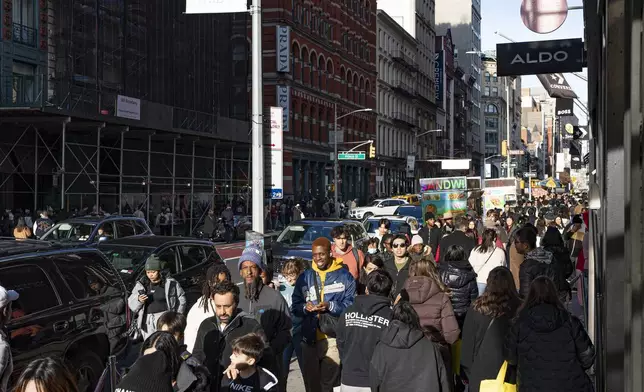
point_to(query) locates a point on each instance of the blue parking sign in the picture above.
(277, 194)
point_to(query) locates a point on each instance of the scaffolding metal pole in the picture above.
(147, 183)
(174, 166)
(98, 169)
(214, 176)
(250, 154)
(62, 167)
(232, 164)
(121, 174)
(192, 185)
(35, 171)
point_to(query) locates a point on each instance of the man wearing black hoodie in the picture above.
(430, 233)
(458, 237)
(359, 329)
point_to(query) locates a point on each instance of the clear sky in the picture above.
(504, 16)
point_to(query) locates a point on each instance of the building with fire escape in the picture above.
(115, 104)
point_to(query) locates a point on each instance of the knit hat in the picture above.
(153, 263)
(148, 374)
(416, 240)
(253, 254)
(429, 215)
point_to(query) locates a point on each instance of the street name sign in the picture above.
(516, 152)
(351, 156)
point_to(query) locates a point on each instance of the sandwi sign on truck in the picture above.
(443, 195)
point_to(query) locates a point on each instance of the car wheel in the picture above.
(89, 367)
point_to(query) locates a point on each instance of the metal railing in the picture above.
(402, 117)
(24, 35)
(403, 87)
(404, 59)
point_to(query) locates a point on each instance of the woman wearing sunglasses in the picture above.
(398, 265)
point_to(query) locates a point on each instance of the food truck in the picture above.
(498, 192)
(456, 195)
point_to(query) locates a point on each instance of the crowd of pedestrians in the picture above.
(464, 300)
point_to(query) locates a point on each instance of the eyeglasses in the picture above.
(399, 245)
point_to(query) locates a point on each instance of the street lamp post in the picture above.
(507, 124)
(335, 149)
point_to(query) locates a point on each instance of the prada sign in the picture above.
(540, 57)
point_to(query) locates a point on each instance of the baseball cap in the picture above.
(7, 296)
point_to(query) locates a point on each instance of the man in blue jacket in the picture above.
(328, 288)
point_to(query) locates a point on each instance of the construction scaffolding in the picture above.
(74, 164)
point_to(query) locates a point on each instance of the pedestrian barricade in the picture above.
(109, 378)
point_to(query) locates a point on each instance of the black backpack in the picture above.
(162, 219)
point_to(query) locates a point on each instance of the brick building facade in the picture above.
(318, 54)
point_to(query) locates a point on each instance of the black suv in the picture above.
(72, 305)
(185, 259)
(89, 230)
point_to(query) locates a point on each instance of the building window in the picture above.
(487, 76)
(495, 91)
(491, 109)
(494, 78)
(492, 138)
(23, 83)
(24, 22)
(486, 90)
(492, 123)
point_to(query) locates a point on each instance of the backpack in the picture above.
(162, 219)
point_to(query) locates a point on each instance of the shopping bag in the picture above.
(498, 385)
(456, 357)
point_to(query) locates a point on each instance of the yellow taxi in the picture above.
(411, 199)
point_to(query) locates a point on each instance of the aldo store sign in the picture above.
(540, 57)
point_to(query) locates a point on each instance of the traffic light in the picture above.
(504, 148)
(372, 151)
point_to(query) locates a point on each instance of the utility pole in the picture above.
(256, 119)
(507, 115)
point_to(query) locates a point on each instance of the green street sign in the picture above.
(348, 156)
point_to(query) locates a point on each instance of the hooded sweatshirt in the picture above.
(337, 287)
(359, 329)
(537, 262)
(460, 277)
(399, 348)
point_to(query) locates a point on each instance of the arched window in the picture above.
(491, 109)
(356, 87)
(295, 55)
(321, 71)
(349, 89)
(343, 80)
(495, 78)
(313, 61)
(361, 91)
(487, 76)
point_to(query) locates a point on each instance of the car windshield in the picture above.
(305, 234)
(125, 259)
(75, 232)
(409, 211)
(371, 225)
(375, 203)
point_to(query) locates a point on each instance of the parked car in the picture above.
(296, 239)
(72, 305)
(186, 259)
(410, 198)
(411, 210)
(377, 207)
(371, 224)
(89, 230)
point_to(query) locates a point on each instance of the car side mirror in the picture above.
(100, 239)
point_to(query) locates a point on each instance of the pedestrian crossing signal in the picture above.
(372, 151)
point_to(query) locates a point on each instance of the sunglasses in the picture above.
(399, 245)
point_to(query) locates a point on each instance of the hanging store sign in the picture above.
(443, 184)
(556, 86)
(539, 57)
(564, 107)
(215, 6)
(127, 107)
(284, 101)
(439, 66)
(277, 158)
(283, 55)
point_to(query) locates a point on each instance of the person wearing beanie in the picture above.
(430, 233)
(417, 250)
(264, 303)
(151, 372)
(322, 293)
(153, 294)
